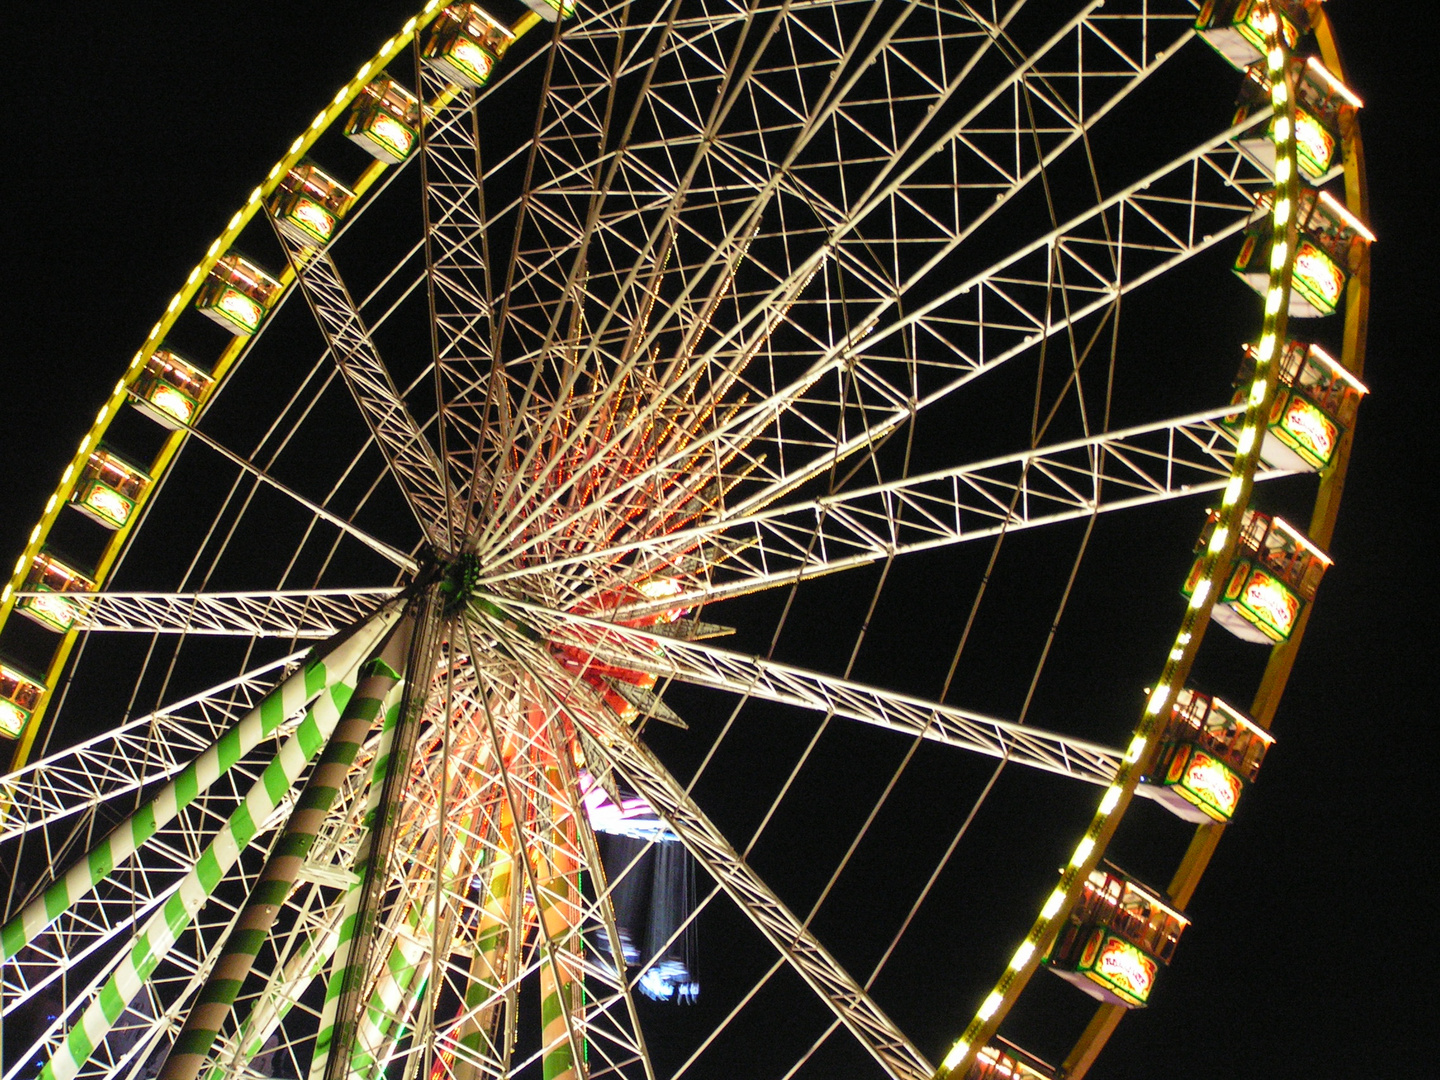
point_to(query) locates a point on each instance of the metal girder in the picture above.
(472, 418)
(790, 541)
(412, 460)
(307, 941)
(753, 676)
(92, 907)
(132, 756)
(990, 317)
(792, 938)
(855, 1009)
(537, 785)
(286, 613)
(733, 263)
(99, 927)
(777, 295)
(613, 227)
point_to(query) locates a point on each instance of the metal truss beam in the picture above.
(792, 938)
(736, 673)
(775, 295)
(307, 614)
(132, 756)
(412, 460)
(989, 318)
(783, 543)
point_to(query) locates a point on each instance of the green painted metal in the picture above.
(286, 700)
(217, 860)
(282, 868)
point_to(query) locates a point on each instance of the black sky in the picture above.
(134, 131)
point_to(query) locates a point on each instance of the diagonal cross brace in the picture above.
(645, 773)
(411, 458)
(738, 673)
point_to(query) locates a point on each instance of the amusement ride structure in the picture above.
(401, 701)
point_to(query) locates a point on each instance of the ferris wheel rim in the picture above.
(1337, 473)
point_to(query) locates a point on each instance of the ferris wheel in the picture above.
(635, 553)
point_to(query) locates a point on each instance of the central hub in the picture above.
(458, 579)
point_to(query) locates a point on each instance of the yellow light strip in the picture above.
(1346, 216)
(1215, 565)
(1339, 87)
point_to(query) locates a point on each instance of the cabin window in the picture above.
(1117, 937)
(1274, 574)
(385, 120)
(19, 695)
(1324, 118)
(169, 389)
(237, 294)
(1331, 247)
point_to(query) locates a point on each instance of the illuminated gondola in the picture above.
(1274, 574)
(1316, 405)
(309, 204)
(1210, 752)
(1116, 939)
(170, 389)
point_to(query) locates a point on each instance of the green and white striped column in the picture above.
(561, 979)
(275, 1001)
(290, 697)
(345, 1003)
(400, 984)
(213, 1003)
(341, 958)
(218, 859)
(491, 961)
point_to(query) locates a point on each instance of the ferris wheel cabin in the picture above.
(1118, 936)
(1238, 29)
(1324, 117)
(551, 10)
(1008, 1063)
(169, 389)
(308, 204)
(108, 488)
(385, 120)
(1274, 574)
(1331, 247)
(1316, 405)
(1208, 753)
(52, 578)
(237, 294)
(466, 43)
(20, 693)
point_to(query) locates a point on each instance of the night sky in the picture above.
(134, 134)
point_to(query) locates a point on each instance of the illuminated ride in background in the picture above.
(682, 335)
